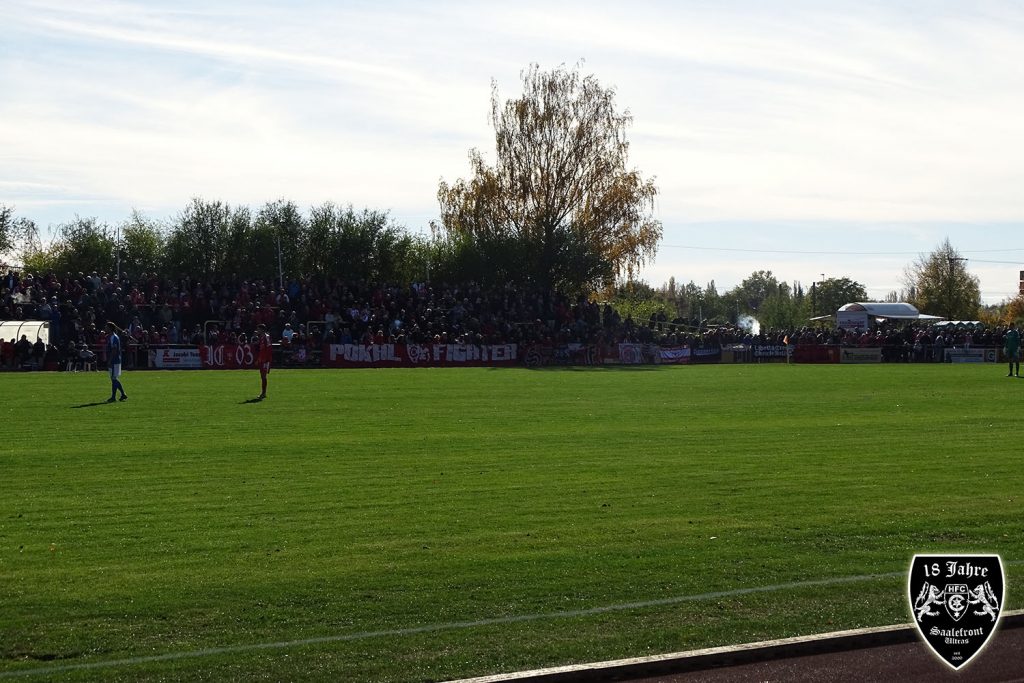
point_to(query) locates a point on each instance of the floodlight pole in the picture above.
(280, 266)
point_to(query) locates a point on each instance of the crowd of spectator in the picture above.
(161, 311)
(907, 342)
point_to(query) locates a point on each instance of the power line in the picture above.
(836, 253)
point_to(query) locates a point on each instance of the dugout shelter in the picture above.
(864, 315)
(13, 329)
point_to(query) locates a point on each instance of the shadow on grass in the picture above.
(93, 405)
(584, 368)
(251, 400)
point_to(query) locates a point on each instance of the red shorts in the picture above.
(265, 367)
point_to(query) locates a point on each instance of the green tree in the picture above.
(198, 239)
(752, 292)
(941, 284)
(832, 293)
(82, 245)
(783, 311)
(364, 245)
(141, 247)
(638, 300)
(6, 228)
(690, 302)
(715, 306)
(247, 250)
(19, 236)
(560, 196)
(281, 236)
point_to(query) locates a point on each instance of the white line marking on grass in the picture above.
(432, 628)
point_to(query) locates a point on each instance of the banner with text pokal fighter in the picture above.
(418, 355)
(956, 601)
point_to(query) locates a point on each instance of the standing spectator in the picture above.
(1011, 346)
(70, 359)
(114, 356)
(22, 351)
(263, 359)
(38, 353)
(938, 345)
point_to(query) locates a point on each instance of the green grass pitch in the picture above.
(432, 524)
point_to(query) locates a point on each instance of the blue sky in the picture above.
(837, 139)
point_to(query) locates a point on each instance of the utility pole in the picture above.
(949, 284)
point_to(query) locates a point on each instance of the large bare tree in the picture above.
(560, 200)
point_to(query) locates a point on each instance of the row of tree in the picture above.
(760, 296)
(937, 283)
(559, 209)
(278, 239)
(211, 237)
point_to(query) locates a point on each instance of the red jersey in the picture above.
(265, 351)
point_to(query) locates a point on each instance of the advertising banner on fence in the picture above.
(817, 353)
(675, 355)
(770, 351)
(566, 354)
(706, 355)
(175, 359)
(858, 355)
(636, 354)
(418, 355)
(229, 356)
(736, 353)
(575, 354)
(971, 355)
(630, 354)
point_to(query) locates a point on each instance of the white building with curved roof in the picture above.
(863, 314)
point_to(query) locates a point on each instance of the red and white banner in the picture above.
(175, 359)
(418, 355)
(636, 354)
(630, 354)
(229, 356)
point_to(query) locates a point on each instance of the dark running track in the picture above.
(1001, 660)
(892, 653)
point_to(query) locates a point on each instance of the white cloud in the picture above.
(867, 115)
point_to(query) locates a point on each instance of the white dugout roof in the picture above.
(13, 329)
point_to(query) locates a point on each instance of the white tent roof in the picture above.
(890, 311)
(13, 329)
